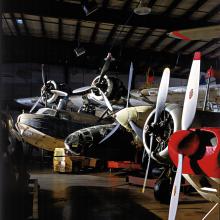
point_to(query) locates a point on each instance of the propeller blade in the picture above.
(110, 133)
(82, 90)
(192, 92)
(138, 131)
(162, 93)
(176, 189)
(108, 104)
(160, 104)
(105, 67)
(59, 93)
(189, 110)
(129, 82)
(148, 165)
(43, 75)
(34, 106)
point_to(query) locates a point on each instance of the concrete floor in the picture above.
(106, 196)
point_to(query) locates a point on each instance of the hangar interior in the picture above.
(100, 102)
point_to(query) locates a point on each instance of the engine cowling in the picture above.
(168, 122)
(46, 93)
(112, 87)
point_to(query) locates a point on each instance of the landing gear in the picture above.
(162, 190)
(163, 186)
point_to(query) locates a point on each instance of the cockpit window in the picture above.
(47, 111)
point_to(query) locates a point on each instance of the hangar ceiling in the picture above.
(48, 31)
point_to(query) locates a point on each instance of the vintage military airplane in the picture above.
(90, 142)
(195, 151)
(48, 127)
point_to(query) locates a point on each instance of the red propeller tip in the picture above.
(197, 56)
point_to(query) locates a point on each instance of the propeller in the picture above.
(160, 105)
(49, 89)
(59, 93)
(188, 114)
(44, 78)
(82, 91)
(105, 67)
(129, 88)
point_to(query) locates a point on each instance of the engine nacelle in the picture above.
(112, 87)
(46, 94)
(168, 122)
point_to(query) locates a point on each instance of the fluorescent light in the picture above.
(19, 21)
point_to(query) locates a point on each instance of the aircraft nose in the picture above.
(72, 143)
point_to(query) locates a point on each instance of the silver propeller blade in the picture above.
(129, 82)
(138, 131)
(108, 104)
(43, 75)
(189, 110)
(160, 104)
(82, 90)
(105, 66)
(59, 93)
(110, 133)
(34, 106)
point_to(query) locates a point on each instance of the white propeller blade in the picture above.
(129, 82)
(59, 93)
(160, 104)
(192, 92)
(189, 110)
(176, 189)
(162, 93)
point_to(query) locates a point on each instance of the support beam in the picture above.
(187, 46)
(63, 53)
(111, 34)
(194, 8)
(25, 25)
(128, 36)
(144, 37)
(15, 24)
(43, 31)
(209, 44)
(127, 5)
(77, 32)
(8, 26)
(60, 31)
(94, 33)
(105, 4)
(186, 15)
(212, 13)
(74, 11)
(151, 3)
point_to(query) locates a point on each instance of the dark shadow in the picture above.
(93, 203)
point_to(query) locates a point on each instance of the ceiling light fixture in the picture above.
(89, 6)
(142, 8)
(19, 21)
